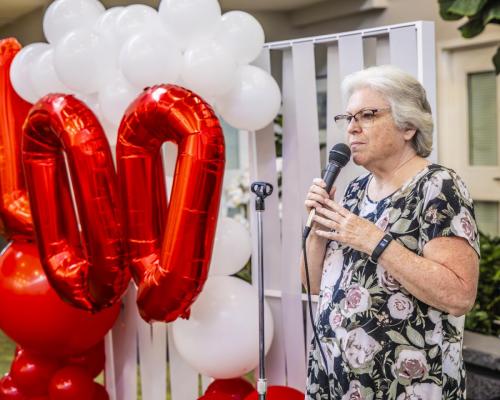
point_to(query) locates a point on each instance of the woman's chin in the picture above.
(358, 159)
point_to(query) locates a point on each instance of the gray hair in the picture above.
(406, 96)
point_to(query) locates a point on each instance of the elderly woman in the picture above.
(396, 262)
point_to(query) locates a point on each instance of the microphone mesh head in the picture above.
(340, 154)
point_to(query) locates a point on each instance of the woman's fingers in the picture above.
(328, 223)
(332, 215)
(336, 207)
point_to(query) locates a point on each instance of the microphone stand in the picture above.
(261, 190)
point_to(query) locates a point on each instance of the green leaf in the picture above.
(409, 241)
(472, 27)
(401, 226)
(491, 13)
(496, 63)
(415, 337)
(397, 337)
(433, 352)
(467, 8)
(393, 390)
(444, 6)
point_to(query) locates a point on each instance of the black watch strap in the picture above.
(381, 246)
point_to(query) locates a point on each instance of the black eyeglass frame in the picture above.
(346, 119)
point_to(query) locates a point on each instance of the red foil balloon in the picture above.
(31, 373)
(170, 277)
(86, 270)
(33, 315)
(14, 205)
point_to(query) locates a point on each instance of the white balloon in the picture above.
(91, 101)
(20, 71)
(242, 34)
(115, 97)
(232, 247)
(63, 16)
(135, 19)
(106, 26)
(188, 19)
(221, 337)
(254, 100)
(83, 60)
(44, 77)
(150, 58)
(209, 68)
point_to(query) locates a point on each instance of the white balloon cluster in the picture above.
(106, 58)
(221, 338)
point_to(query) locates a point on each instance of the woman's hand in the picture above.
(317, 195)
(347, 228)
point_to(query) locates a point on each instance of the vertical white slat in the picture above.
(350, 60)
(125, 347)
(205, 382)
(426, 50)
(262, 167)
(309, 331)
(403, 49)
(334, 104)
(291, 221)
(275, 358)
(383, 50)
(152, 357)
(109, 367)
(304, 79)
(370, 51)
(183, 378)
(291, 229)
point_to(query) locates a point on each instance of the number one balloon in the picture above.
(85, 268)
(14, 205)
(169, 271)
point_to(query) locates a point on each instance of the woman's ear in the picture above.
(409, 133)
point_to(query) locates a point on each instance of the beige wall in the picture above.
(277, 25)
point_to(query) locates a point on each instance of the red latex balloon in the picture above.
(86, 269)
(71, 383)
(14, 205)
(278, 393)
(171, 277)
(31, 373)
(236, 388)
(92, 361)
(100, 392)
(33, 315)
(216, 396)
(9, 390)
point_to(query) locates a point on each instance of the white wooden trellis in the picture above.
(410, 46)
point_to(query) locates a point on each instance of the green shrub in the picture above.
(485, 316)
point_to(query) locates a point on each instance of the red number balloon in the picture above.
(170, 275)
(14, 205)
(88, 271)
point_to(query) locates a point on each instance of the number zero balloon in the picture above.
(170, 275)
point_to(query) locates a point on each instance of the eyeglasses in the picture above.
(364, 118)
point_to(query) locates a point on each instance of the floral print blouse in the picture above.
(381, 342)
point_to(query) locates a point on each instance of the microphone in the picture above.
(339, 156)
